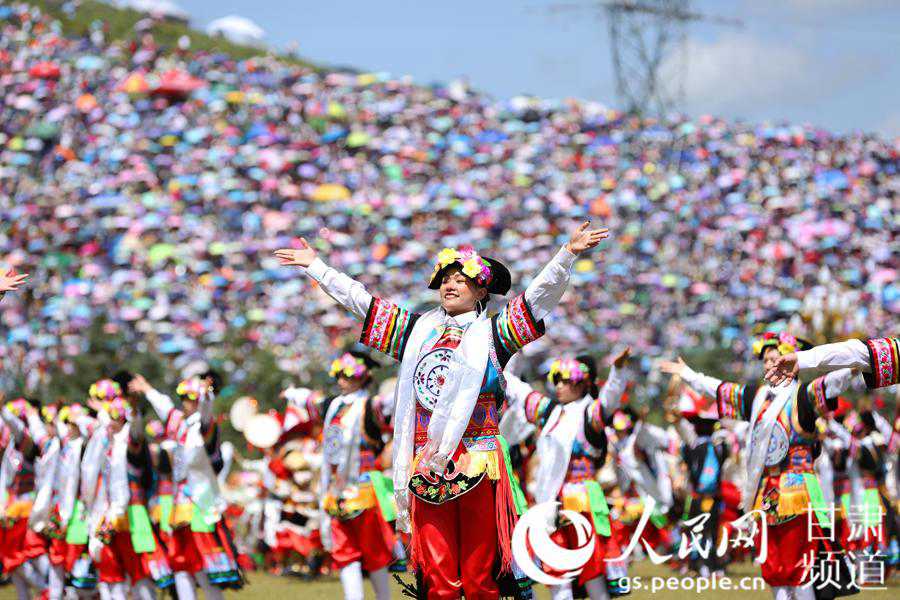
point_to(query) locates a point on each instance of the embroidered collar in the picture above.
(462, 319)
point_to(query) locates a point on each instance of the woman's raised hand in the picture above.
(10, 280)
(673, 368)
(300, 257)
(583, 238)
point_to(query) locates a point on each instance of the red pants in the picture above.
(604, 547)
(18, 545)
(366, 538)
(789, 549)
(455, 544)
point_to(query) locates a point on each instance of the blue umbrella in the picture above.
(89, 62)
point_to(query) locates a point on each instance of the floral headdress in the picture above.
(568, 369)
(17, 407)
(116, 408)
(155, 430)
(69, 413)
(192, 388)
(105, 390)
(473, 265)
(621, 421)
(349, 366)
(784, 342)
(49, 412)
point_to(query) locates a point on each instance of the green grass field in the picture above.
(270, 587)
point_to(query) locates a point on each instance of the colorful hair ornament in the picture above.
(192, 388)
(568, 369)
(105, 390)
(117, 408)
(17, 407)
(155, 430)
(784, 342)
(473, 266)
(348, 366)
(621, 421)
(49, 412)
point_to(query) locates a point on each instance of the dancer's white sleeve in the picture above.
(838, 382)
(15, 425)
(882, 425)
(547, 288)
(700, 382)
(36, 428)
(348, 292)
(611, 393)
(161, 403)
(516, 390)
(851, 354)
(207, 402)
(686, 431)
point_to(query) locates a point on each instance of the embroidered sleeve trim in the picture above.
(816, 392)
(730, 400)
(516, 326)
(386, 327)
(595, 415)
(537, 407)
(884, 355)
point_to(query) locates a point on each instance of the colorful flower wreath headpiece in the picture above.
(17, 407)
(784, 342)
(49, 412)
(69, 413)
(349, 366)
(473, 265)
(105, 390)
(116, 408)
(155, 430)
(621, 421)
(568, 369)
(192, 388)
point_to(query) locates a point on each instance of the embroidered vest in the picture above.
(475, 455)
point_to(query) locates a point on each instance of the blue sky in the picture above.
(828, 62)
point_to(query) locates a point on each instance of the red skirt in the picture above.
(604, 547)
(366, 538)
(118, 560)
(194, 551)
(19, 544)
(290, 540)
(63, 554)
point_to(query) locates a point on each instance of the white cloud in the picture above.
(739, 73)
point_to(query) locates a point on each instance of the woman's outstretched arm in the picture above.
(348, 292)
(547, 288)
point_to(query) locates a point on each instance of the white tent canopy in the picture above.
(237, 29)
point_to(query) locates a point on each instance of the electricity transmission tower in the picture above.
(644, 36)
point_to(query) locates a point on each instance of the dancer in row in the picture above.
(447, 454)
(355, 496)
(571, 448)
(199, 547)
(781, 480)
